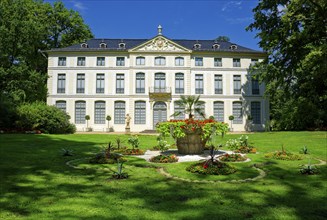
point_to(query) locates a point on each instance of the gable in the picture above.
(159, 43)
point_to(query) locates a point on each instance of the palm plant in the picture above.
(190, 104)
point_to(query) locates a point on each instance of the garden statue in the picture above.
(128, 121)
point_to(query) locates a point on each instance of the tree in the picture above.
(190, 104)
(293, 33)
(223, 38)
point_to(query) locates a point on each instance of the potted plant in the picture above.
(87, 118)
(231, 118)
(108, 118)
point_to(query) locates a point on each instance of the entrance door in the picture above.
(159, 113)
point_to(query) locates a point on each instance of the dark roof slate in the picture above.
(113, 45)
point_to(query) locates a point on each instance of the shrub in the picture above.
(232, 158)
(216, 168)
(240, 145)
(48, 119)
(309, 169)
(172, 158)
(283, 155)
(134, 141)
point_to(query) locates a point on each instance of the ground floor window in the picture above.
(100, 112)
(218, 111)
(237, 113)
(140, 112)
(256, 112)
(61, 105)
(80, 112)
(119, 114)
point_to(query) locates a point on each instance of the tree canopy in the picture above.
(223, 38)
(294, 35)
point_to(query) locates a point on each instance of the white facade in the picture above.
(116, 90)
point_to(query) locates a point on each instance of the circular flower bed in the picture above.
(133, 152)
(232, 158)
(215, 168)
(172, 158)
(283, 155)
(102, 158)
(246, 150)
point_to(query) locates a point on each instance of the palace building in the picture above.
(144, 78)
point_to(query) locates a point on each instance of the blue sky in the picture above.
(180, 19)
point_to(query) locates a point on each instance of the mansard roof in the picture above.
(116, 45)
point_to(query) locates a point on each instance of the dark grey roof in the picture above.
(113, 45)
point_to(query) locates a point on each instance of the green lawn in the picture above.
(36, 183)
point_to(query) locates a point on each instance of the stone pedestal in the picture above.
(127, 130)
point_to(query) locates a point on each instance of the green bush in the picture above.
(47, 119)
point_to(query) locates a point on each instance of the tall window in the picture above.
(256, 112)
(255, 87)
(218, 62)
(197, 115)
(236, 62)
(120, 83)
(218, 84)
(198, 84)
(100, 112)
(159, 82)
(140, 112)
(100, 83)
(61, 105)
(140, 61)
(80, 88)
(237, 84)
(100, 61)
(140, 83)
(80, 61)
(198, 61)
(119, 114)
(237, 113)
(61, 85)
(61, 61)
(179, 83)
(179, 61)
(179, 108)
(120, 61)
(80, 112)
(218, 111)
(159, 61)
(253, 61)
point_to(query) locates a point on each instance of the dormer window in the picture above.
(121, 45)
(197, 46)
(84, 45)
(233, 47)
(103, 45)
(215, 46)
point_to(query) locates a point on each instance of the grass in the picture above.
(36, 183)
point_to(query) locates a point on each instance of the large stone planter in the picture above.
(191, 144)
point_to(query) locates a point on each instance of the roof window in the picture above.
(103, 45)
(121, 45)
(197, 46)
(84, 45)
(215, 46)
(233, 47)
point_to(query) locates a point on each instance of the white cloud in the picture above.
(232, 5)
(78, 5)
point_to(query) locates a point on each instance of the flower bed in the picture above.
(172, 158)
(215, 168)
(232, 158)
(133, 152)
(283, 155)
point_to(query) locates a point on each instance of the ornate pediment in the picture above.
(160, 43)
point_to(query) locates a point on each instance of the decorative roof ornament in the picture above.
(159, 30)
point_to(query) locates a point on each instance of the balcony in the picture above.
(160, 93)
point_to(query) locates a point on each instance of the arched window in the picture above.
(140, 61)
(140, 112)
(218, 111)
(84, 45)
(103, 45)
(160, 61)
(100, 112)
(119, 114)
(179, 61)
(80, 107)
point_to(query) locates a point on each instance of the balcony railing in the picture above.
(159, 90)
(160, 93)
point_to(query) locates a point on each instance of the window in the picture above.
(233, 47)
(80, 88)
(179, 83)
(80, 61)
(140, 61)
(120, 61)
(100, 83)
(121, 45)
(84, 45)
(140, 83)
(103, 45)
(120, 84)
(159, 61)
(237, 84)
(236, 62)
(80, 112)
(218, 111)
(197, 46)
(61, 105)
(198, 84)
(218, 62)
(216, 46)
(100, 112)
(218, 84)
(179, 108)
(255, 87)
(179, 61)
(140, 112)
(61, 61)
(256, 112)
(197, 115)
(159, 82)
(61, 85)
(237, 113)
(253, 61)
(119, 114)
(100, 61)
(198, 61)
